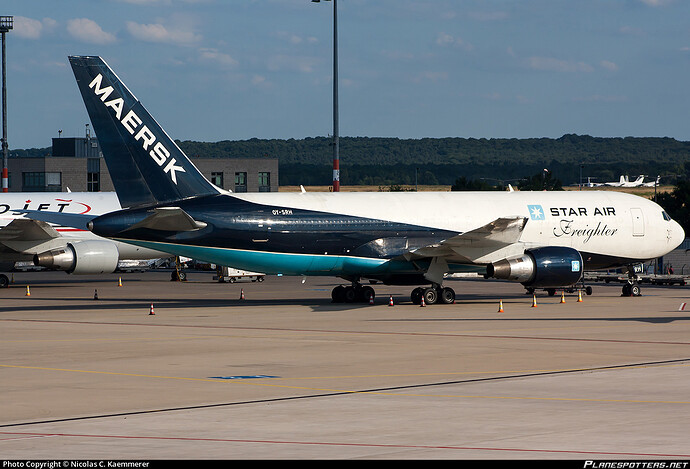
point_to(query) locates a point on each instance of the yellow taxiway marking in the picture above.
(378, 393)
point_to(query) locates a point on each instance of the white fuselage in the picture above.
(604, 223)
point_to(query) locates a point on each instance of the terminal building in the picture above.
(76, 164)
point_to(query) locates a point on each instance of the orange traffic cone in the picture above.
(119, 282)
(371, 299)
(534, 301)
(422, 303)
(28, 292)
(579, 296)
(151, 313)
(500, 306)
(563, 296)
(390, 300)
(242, 294)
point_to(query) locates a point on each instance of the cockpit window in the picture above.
(666, 217)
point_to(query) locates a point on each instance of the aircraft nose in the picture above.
(678, 235)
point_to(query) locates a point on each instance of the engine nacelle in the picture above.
(83, 257)
(542, 267)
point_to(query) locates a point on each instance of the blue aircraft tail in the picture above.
(145, 164)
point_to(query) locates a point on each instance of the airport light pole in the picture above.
(336, 142)
(6, 23)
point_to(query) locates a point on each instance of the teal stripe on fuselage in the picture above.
(283, 263)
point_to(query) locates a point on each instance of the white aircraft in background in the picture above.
(652, 183)
(57, 246)
(624, 182)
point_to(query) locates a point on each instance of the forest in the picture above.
(430, 161)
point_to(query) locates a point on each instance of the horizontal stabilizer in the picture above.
(72, 220)
(169, 219)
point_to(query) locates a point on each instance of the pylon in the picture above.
(95, 294)
(579, 296)
(241, 293)
(151, 313)
(563, 296)
(119, 282)
(28, 292)
(534, 301)
(422, 303)
(500, 306)
(390, 300)
(371, 299)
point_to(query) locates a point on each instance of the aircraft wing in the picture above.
(25, 229)
(473, 246)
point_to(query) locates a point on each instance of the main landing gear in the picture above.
(357, 293)
(433, 294)
(354, 293)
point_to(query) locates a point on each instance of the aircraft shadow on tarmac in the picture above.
(321, 305)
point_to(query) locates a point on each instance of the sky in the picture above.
(212, 70)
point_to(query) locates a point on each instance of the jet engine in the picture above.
(84, 257)
(542, 267)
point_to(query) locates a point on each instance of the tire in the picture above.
(430, 296)
(447, 296)
(338, 294)
(368, 294)
(635, 290)
(4, 281)
(416, 296)
(350, 295)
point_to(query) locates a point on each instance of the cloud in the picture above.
(656, 3)
(161, 34)
(86, 30)
(220, 58)
(608, 65)
(445, 39)
(557, 65)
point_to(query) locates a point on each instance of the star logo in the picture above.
(536, 212)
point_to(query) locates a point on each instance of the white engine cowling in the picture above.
(83, 257)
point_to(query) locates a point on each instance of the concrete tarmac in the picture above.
(286, 374)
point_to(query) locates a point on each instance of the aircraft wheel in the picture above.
(4, 281)
(447, 296)
(338, 294)
(416, 296)
(368, 294)
(551, 291)
(588, 290)
(430, 296)
(635, 290)
(350, 294)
